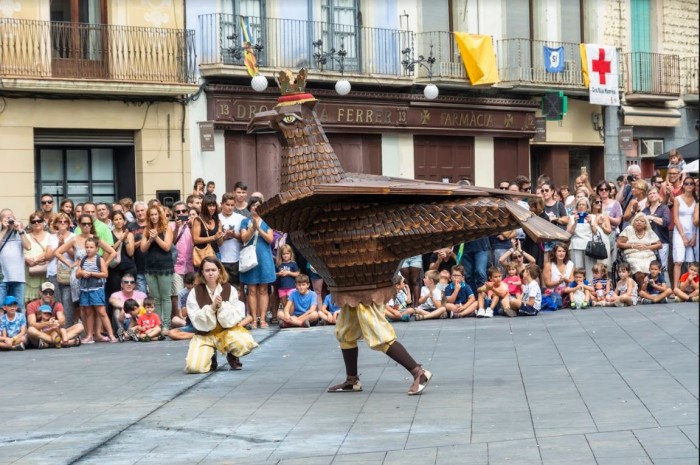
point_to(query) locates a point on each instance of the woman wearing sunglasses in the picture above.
(685, 232)
(37, 257)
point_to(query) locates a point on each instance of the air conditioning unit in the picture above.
(651, 148)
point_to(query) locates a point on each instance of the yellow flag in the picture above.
(584, 64)
(478, 57)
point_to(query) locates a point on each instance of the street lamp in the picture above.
(342, 86)
(430, 91)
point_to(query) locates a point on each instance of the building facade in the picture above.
(93, 101)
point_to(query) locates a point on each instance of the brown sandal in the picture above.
(351, 384)
(234, 362)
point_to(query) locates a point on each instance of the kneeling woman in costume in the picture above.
(219, 321)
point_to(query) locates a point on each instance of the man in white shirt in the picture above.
(231, 248)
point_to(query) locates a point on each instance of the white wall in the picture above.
(483, 161)
(397, 155)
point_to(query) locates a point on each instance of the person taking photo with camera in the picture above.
(13, 243)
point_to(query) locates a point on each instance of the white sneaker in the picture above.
(480, 313)
(488, 313)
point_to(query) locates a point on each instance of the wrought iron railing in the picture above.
(524, 60)
(31, 48)
(689, 75)
(652, 73)
(288, 43)
(448, 61)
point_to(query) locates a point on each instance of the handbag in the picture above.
(200, 254)
(63, 274)
(41, 268)
(596, 248)
(248, 258)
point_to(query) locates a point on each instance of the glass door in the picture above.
(78, 38)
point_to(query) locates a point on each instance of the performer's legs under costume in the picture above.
(369, 322)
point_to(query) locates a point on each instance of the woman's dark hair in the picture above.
(117, 213)
(198, 181)
(92, 224)
(204, 212)
(254, 200)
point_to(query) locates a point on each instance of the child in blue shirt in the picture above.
(329, 311)
(459, 297)
(654, 289)
(579, 290)
(287, 272)
(13, 326)
(301, 308)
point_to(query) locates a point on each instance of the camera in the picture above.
(11, 221)
(183, 218)
(582, 216)
(630, 179)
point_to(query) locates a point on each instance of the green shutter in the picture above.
(640, 59)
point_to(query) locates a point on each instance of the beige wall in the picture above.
(24, 9)
(576, 128)
(159, 164)
(679, 27)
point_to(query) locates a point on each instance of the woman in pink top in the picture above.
(182, 247)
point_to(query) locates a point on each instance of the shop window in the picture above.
(80, 174)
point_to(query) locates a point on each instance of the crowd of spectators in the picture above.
(128, 271)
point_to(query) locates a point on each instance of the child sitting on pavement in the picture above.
(494, 295)
(13, 326)
(601, 285)
(430, 300)
(654, 289)
(459, 297)
(58, 334)
(626, 289)
(687, 289)
(301, 307)
(579, 290)
(148, 324)
(397, 308)
(513, 280)
(531, 302)
(329, 311)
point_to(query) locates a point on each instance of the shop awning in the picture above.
(647, 116)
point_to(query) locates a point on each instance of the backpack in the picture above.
(92, 283)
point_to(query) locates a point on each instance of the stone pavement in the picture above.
(604, 386)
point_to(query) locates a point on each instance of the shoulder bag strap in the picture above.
(204, 225)
(179, 235)
(6, 238)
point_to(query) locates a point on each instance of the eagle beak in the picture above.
(262, 122)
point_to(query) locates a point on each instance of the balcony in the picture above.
(689, 78)
(371, 52)
(521, 64)
(651, 76)
(34, 55)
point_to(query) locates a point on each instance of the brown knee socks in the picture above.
(400, 355)
(350, 359)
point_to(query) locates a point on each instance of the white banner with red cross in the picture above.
(599, 64)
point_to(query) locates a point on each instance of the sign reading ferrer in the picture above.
(239, 112)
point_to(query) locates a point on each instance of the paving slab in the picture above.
(597, 386)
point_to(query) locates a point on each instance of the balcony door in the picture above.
(78, 38)
(340, 28)
(232, 36)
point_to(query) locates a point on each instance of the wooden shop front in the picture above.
(451, 137)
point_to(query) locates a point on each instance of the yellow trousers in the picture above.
(236, 340)
(366, 322)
